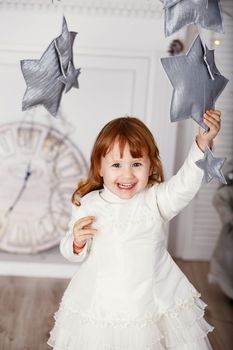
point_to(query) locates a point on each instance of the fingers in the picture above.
(212, 119)
(214, 114)
(82, 229)
(80, 240)
(85, 221)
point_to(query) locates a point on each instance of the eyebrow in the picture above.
(115, 160)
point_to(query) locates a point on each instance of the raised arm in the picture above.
(175, 194)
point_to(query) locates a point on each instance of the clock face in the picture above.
(39, 170)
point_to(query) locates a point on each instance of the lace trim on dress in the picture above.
(182, 304)
(181, 325)
(124, 320)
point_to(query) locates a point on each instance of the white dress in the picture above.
(128, 293)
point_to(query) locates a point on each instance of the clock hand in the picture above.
(26, 177)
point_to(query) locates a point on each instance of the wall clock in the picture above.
(39, 170)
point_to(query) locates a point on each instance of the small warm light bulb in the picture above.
(217, 42)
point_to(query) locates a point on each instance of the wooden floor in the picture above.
(27, 306)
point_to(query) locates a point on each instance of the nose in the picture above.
(127, 171)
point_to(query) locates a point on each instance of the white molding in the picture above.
(125, 8)
(31, 269)
(49, 263)
(137, 62)
(131, 61)
(22, 49)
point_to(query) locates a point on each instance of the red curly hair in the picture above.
(125, 130)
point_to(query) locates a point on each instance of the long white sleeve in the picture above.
(66, 244)
(175, 194)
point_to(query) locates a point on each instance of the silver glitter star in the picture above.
(45, 78)
(169, 3)
(210, 63)
(64, 45)
(212, 166)
(195, 90)
(178, 14)
(42, 79)
(71, 79)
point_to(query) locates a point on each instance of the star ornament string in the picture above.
(54, 72)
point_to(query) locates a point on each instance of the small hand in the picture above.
(83, 231)
(212, 119)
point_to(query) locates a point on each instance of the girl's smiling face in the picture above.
(124, 176)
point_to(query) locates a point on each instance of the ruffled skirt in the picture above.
(181, 328)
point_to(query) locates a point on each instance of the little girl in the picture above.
(128, 293)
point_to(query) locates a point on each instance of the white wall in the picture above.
(121, 70)
(119, 52)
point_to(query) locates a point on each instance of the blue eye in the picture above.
(116, 165)
(136, 164)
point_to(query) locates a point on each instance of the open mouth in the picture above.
(126, 186)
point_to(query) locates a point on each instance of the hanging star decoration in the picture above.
(212, 166)
(179, 13)
(71, 78)
(47, 77)
(169, 3)
(64, 45)
(196, 81)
